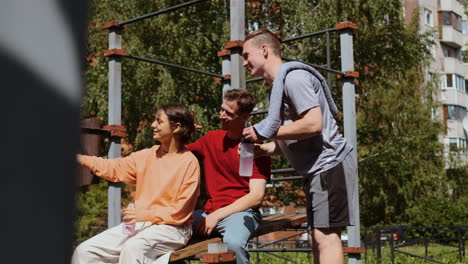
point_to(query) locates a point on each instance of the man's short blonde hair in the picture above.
(265, 36)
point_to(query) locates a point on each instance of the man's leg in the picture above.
(326, 246)
(327, 212)
(237, 229)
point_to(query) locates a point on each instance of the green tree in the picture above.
(190, 37)
(400, 158)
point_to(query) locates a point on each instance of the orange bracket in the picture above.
(349, 74)
(116, 130)
(224, 53)
(234, 44)
(113, 24)
(354, 250)
(115, 52)
(218, 257)
(226, 77)
(345, 25)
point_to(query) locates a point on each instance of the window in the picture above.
(449, 80)
(455, 112)
(453, 144)
(454, 81)
(461, 113)
(451, 19)
(450, 52)
(451, 112)
(464, 26)
(457, 144)
(446, 19)
(428, 17)
(429, 76)
(456, 19)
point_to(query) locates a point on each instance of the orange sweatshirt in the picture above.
(167, 186)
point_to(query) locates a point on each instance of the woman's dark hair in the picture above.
(177, 113)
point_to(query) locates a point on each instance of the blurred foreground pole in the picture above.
(42, 54)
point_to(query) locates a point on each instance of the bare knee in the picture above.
(325, 238)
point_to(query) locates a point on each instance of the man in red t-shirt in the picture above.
(232, 200)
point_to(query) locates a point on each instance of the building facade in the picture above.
(447, 20)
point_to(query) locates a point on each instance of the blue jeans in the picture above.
(236, 230)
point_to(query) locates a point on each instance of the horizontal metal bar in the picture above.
(316, 66)
(260, 112)
(159, 12)
(460, 227)
(254, 80)
(174, 66)
(287, 178)
(96, 131)
(280, 250)
(308, 35)
(279, 240)
(282, 170)
(417, 256)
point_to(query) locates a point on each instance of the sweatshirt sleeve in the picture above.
(114, 170)
(180, 212)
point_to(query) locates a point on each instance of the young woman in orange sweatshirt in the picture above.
(167, 187)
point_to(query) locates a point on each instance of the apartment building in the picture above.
(448, 21)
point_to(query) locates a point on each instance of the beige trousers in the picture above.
(147, 244)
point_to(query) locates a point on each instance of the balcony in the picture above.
(452, 5)
(451, 37)
(452, 96)
(455, 129)
(454, 65)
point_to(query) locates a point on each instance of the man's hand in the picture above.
(129, 215)
(250, 134)
(207, 225)
(259, 151)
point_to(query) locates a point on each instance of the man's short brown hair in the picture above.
(265, 36)
(245, 100)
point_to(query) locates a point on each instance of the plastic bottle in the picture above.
(129, 229)
(246, 158)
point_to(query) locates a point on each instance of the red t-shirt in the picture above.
(223, 183)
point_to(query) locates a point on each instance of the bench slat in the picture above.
(270, 224)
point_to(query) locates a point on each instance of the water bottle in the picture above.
(246, 158)
(129, 229)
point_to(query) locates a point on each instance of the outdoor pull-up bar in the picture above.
(167, 10)
(175, 66)
(232, 65)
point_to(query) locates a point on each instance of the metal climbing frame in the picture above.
(232, 77)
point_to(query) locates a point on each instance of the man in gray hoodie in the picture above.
(300, 121)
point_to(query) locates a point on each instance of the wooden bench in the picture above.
(270, 224)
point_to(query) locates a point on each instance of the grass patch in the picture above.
(437, 252)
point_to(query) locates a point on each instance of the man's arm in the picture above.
(251, 200)
(309, 125)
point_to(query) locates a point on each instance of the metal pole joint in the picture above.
(224, 53)
(345, 25)
(116, 130)
(235, 44)
(114, 24)
(115, 52)
(349, 74)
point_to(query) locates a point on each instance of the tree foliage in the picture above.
(401, 162)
